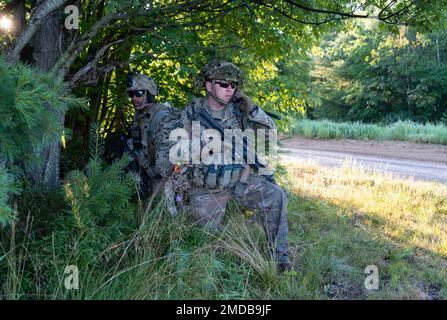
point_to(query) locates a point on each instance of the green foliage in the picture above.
(125, 252)
(401, 130)
(172, 40)
(100, 207)
(7, 188)
(101, 194)
(31, 104)
(89, 214)
(370, 75)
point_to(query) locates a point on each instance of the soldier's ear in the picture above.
(208, 86)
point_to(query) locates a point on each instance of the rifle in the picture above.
(127, 149)
(206, 120)
(273, 115)
(135, 166)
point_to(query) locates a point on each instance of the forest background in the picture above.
(62, 92)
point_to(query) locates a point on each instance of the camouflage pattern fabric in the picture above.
(150, 139)
(267, 198)
(218, 70)
(142, 82)
(207, 204)
(230, 118)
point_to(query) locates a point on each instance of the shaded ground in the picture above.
(404, 159)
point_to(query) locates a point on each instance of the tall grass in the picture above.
(340, 221)
(352, 217)
(161, 259)
(124, 249)
(401, 130)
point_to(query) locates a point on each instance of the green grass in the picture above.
(401, 130)
(343, 220)
(340, 220)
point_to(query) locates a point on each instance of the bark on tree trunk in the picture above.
(19, 18)
(48, 47)
(43, 8)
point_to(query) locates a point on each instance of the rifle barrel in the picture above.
(273, 115)
(209, 122)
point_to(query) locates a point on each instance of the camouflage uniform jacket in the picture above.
(229, 118)
(150, 138)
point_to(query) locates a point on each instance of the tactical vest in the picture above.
(223, 176)
(142, 131)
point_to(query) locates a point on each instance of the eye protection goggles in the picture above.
(136, 93)
(225, 84)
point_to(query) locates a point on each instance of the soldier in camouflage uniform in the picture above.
(149, 143)
(210, 189)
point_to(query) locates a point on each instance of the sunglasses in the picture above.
(137, 93)
(226, 84)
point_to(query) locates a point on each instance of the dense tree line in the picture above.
(371, 75)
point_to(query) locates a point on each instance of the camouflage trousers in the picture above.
(266, 198)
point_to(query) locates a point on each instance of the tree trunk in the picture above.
(19, 18)
(47, 48)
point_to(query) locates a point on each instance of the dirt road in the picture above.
(404, 159)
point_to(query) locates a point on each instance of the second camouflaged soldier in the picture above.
(213, 186)
(149, 143)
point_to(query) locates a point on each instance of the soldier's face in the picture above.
(137, 97)
(223, 89)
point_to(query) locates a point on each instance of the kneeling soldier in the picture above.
(149, 143)
(227, 107)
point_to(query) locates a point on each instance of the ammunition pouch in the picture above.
(222, 177)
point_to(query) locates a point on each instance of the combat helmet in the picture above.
(218, 70)
(141, 82)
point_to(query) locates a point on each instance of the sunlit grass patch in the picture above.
(374, 218)
(401, 130)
